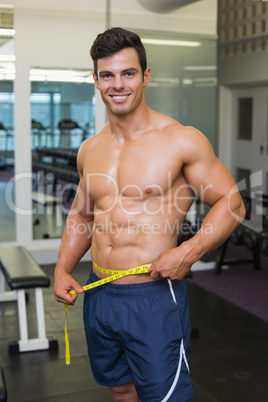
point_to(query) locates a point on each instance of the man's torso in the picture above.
(140, 198)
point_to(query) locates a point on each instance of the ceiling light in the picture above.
(205, 84)
(10, 77)
(7, 57)
(187, 81)
(167, 80)
(7, 32)
(7, 70)
(56, 78)
(60, 73)
(200, 68)
(77, 76)
(154, 84)
(167, 42)
(206, 79)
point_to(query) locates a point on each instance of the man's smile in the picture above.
(119, 98)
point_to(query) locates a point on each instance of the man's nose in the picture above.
(118, 82)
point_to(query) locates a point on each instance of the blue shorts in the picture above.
(140, 333)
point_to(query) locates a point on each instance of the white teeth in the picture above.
(119, 97)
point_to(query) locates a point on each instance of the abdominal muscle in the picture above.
(129, 242)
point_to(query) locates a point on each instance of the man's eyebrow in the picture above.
(130, 69)
(123, 71)
(105, 72)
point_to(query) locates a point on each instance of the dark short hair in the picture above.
(113, 40)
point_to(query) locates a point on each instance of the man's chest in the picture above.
(137, 170)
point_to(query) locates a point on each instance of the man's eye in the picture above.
(105, 76)
(129, 74)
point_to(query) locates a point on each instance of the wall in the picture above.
(242, 58)
(243, 42)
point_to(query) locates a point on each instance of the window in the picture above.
(63, 115)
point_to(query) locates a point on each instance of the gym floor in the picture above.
(229, 357)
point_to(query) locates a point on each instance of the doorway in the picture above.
(249, 141)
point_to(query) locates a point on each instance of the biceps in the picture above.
(210, 180)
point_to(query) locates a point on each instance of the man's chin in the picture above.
(120, 111)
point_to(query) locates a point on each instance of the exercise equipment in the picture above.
(237, 236)
(187, 231)
(250, 239)
(242, 237)
(38, 133)
(71, 133)
(22, 272)
(263, 243)
(60, 163)
(245, 235)
(3, 387)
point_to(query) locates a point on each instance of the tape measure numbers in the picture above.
(114, 274)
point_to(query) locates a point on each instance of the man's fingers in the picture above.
(155, 275)
(66, 298)
(76, 286)
(155, 271)
(160, 271)
(79, 289)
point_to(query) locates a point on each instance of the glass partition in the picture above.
(62, 117)
(7, 75)
(183, 83)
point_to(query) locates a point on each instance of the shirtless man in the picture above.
(138, 177)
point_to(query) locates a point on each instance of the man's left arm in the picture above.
(213, 183)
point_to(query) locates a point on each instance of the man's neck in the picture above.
(127, 127)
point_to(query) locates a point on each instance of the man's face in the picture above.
(120, 81)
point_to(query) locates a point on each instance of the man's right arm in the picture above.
(76, 241)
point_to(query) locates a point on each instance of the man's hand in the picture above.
(63, 284)
(171, 264)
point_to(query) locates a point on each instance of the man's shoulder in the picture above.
(92, 142)
(164, 124)
(174, 128)
(184, 133)
(176, 133)
(171, 126)
(87, 147)
(190, 142)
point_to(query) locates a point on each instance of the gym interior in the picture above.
(209, 69)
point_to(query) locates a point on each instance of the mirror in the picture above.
(62, 117)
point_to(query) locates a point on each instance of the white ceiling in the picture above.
(202, 8)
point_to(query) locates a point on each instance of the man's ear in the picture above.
(146, 76)
(96, 81)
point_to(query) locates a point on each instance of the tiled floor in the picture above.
(229, 358)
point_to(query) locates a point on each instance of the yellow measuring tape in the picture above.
(115, 274)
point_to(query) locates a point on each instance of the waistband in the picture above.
(132, 289)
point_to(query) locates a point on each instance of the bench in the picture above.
(20, 271)
(3, 388)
